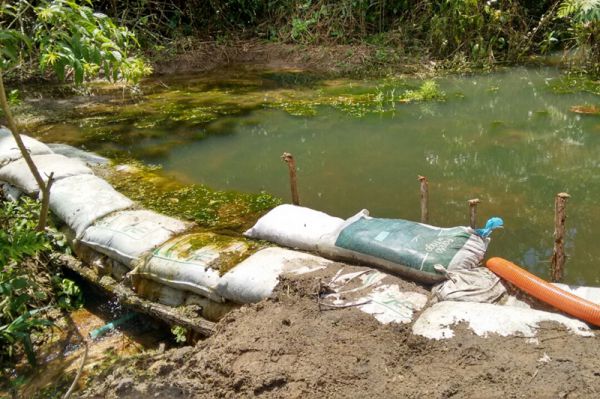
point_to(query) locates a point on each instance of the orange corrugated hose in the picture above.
(546, 292)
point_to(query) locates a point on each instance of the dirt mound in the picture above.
(287, 347)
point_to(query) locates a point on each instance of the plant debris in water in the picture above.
(186, 110)
(574, 83)
(586, 109)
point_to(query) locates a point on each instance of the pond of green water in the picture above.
(508, 138)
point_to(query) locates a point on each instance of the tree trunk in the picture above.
(12, 126)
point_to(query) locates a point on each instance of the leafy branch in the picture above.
(74, 41)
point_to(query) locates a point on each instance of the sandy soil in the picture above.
(286, 347)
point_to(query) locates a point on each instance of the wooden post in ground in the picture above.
(424, 199)
(291, 162)
(473, 212)
(558, 255)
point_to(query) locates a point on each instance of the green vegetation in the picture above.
(179, 333)
(27, 287)
(20, 292)
(465, 32)
(584, 30)
(78, 42)
(71, 39)
(97, 38)
(428, 91)
(209, 105)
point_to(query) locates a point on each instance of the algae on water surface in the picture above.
(218, 210)
(185, 109)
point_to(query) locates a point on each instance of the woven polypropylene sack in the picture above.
(9, 192)
(89, 158)
(294, 226)
(10, 152)
(255, 278)
(194, 262)
(81, 200)
(125, 236)
(17, 173)
(417, 251)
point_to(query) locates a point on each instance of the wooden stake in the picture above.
(289, 159)
(558, 256)
(473, 211)
(424, 199)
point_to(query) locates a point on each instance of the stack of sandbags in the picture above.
(18, 175)
(89, 158)
(214, 271)
(9, 152)
(417, 251)
(256, 277)
(194, 262)
(81, 200)
(126, 236)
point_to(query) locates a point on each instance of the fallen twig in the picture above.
(74, 384)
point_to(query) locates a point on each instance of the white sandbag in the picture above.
(102, 264)
(18, 174)
(485, 318)
(255, 278)
(470, 285)
(166, 295)
(211, 310)
(160, 293)
(81, 200)
(10, 193)
(89, 158)
(10, 152)
(374, 293)
(193, 262)
(127, 235)
(294, 226)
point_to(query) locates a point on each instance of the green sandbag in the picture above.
(427, 249)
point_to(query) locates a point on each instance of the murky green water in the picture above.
(506, 138)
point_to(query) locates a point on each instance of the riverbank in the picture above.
(347, 60)
(289, 347)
